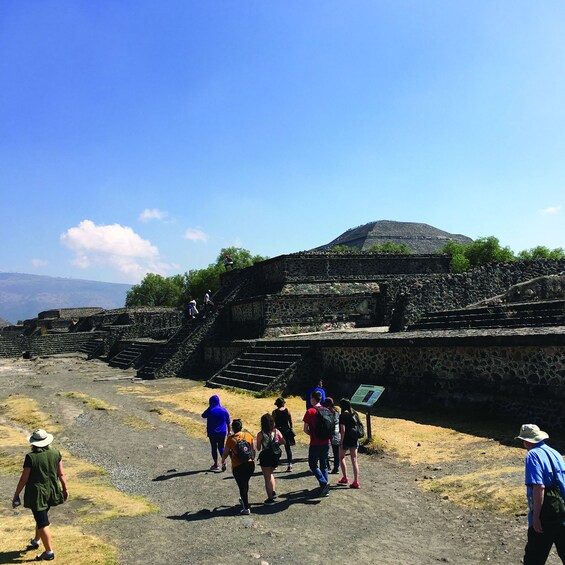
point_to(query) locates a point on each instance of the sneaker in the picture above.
(270, 501)
(223, 467)
(244, 512)
(343, 481)
(355, 484)
(289, 469)
(33, 544)
(45, 556)
(274, 495)
(324, 490)
(335, 472)
(214, 467)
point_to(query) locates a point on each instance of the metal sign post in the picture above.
(364, 399)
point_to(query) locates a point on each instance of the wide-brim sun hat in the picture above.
(40, 438)
(532, 433)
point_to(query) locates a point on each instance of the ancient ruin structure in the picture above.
(491, 339)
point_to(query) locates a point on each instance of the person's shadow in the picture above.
(176, 474)
(284, 501)
(15, 557)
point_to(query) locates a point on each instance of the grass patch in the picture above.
(484, 490)
(136, 423)
(191, 426)
(27, 413)
(194, 400)
(72, 546)
(88, 401)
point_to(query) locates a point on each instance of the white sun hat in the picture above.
(40, 438)
(532, 433)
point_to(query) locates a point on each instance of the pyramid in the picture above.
(420, 238)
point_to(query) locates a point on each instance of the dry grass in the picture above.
(471, 470)
(484, 489)
(186, 407)
(136, 423)
(26, 413)
(88, 401)
(72, 546)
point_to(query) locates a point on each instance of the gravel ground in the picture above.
(388, 521)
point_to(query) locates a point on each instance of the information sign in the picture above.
(367, 395)
(364, 399)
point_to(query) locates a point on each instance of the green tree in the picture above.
(488, 250)
(241, 257)
(541, 252)
(176, 291)
(156, 290)
(480, 252)
(389, 247)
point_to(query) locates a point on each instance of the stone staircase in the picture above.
(512, 315)
(92, 347)
(132, 356)
(166, 351)
(179, 353)
(261, 367)
(11, 348)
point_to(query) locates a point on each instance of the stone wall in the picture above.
(50, 344)
(526, 382)
(272, 315)
(434, 293)
(517, 373)
(268, 277)
(69, 313)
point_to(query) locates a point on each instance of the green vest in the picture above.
(43, 489)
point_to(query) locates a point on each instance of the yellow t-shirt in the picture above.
(231, 446)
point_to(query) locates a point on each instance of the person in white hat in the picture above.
(44, 480)
(545, 480)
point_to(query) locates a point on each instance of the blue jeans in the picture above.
(318, 462)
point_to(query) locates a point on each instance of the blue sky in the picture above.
(143, 136)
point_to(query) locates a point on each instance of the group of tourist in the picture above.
(45, 485)
(323, 423)
(208, 304)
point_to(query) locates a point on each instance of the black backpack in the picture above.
(243, 450)
(325, 424)
(359, 428)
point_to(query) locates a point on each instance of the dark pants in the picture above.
(41, 518)
(242, 473)
(539, 545)
(318, 455)
(287, 446)
(217, 442)
(335, 449)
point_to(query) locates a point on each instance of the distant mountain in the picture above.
(23, 296)
(420, 238)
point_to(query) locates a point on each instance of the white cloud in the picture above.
(551, 210)
(116, 246)
(152, 214)
(39, 262)
(195, 234)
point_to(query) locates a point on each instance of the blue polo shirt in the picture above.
(539, 472)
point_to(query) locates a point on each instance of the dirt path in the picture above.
(389, 521)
